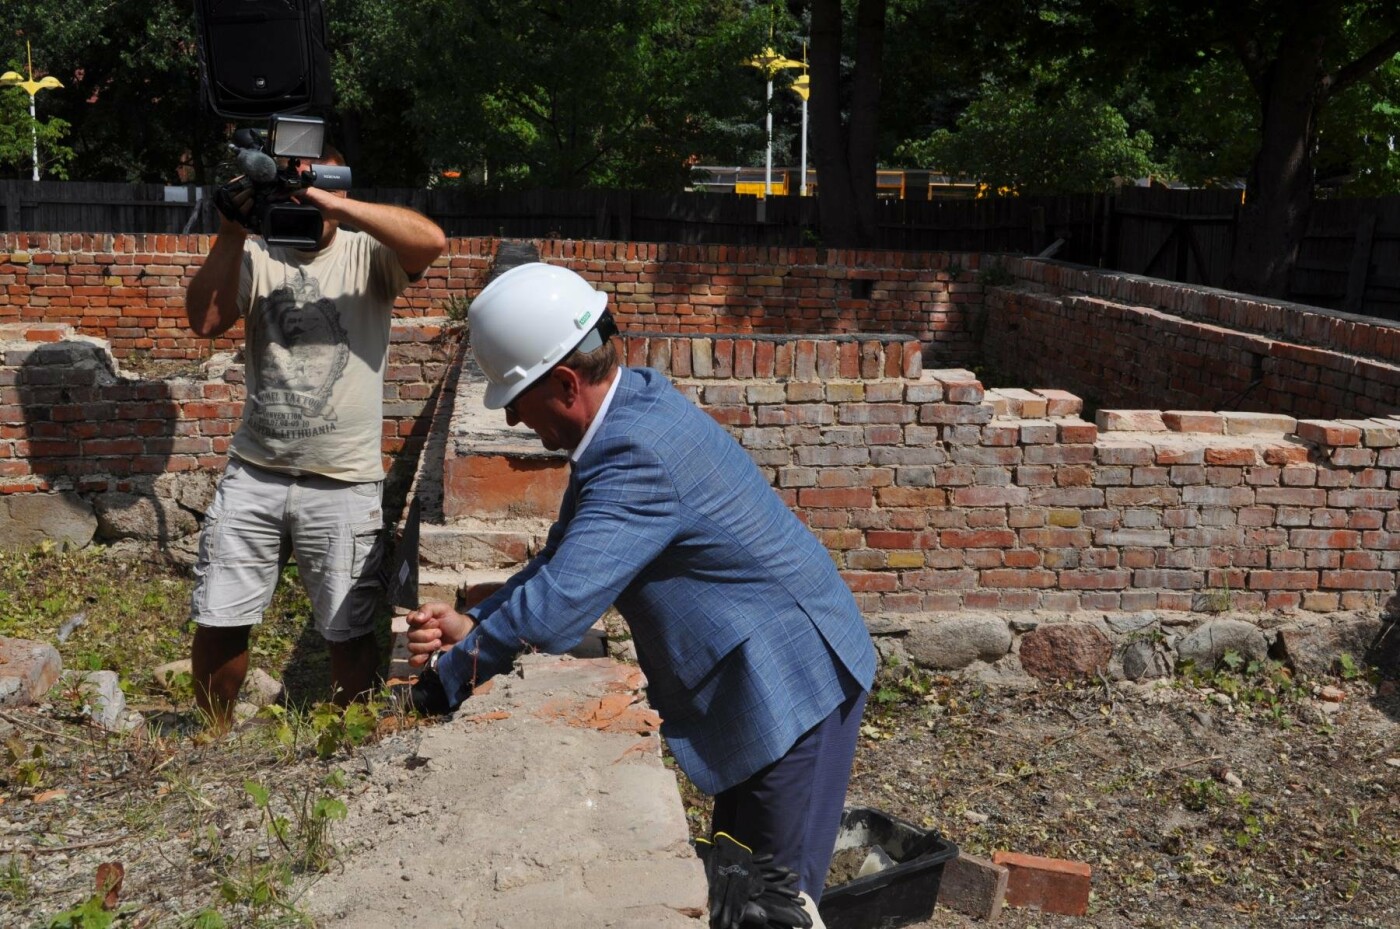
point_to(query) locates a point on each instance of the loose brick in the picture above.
(1061, 402)
(1257, 423)
(1130, 421)
(1191, 421)
(1328, 432)
(973, 886)
(1049, 884)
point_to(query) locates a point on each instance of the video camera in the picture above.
(268, 59)
(273, 214)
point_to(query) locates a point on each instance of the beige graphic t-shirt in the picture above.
(317, 330)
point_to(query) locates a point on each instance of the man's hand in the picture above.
(433, 626)
(331, 203)
(235, 200)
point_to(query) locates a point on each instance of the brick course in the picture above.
(958, 520)
(931, 491)
(129, 289)
(69, 421)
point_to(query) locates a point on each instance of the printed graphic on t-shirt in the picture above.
(297, 351)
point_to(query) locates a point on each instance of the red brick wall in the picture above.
(935, 495)
(1113, 338)
(68, 422)
(1121, 340)
(129, 289)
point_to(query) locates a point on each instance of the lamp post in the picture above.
(31, 87)
(770, 63)
(802, 86)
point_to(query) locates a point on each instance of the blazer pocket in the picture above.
(703, 657)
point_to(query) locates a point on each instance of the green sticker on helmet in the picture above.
(583, 320)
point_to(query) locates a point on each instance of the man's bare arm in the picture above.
(211, 302)
(413, 237)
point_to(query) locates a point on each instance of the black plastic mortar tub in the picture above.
(899, 895)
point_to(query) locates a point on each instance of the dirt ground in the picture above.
(1238, 798)
(1194, 807)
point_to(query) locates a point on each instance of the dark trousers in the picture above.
(792, 808)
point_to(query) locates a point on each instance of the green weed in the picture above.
(16, 880)
(455, 307)
(898, 684)
(25, 765)
(1201, 793)
(338, 728)
(305, 835)
(90, 914)
(129, 612)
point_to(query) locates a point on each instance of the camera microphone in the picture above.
(257, 166)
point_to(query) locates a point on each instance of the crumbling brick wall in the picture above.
(129, 289)
(1124, 340)
(933, 494)
(72, 423)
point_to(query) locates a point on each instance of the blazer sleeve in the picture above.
(626, 513)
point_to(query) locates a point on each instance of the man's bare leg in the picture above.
(219, 663)
(354, 668)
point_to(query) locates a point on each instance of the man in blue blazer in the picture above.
(756, 655)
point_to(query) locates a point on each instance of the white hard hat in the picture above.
(525, 322)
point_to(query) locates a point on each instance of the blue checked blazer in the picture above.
(746, 633)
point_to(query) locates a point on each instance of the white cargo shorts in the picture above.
(259, 518)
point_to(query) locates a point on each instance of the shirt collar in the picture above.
(577, 453)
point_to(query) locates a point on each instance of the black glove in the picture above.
(734, 882)
(225, 199)
(427, 696)
(778, 895)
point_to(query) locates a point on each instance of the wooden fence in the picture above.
(1348, 258)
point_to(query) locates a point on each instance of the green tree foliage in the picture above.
(1012, 141)
(131, 84)
(616, 93)
(17, 136)
(1248, 87)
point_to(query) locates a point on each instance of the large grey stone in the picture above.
(27, 671)
(1131, 622)
(131, 516)
(31, 519)
(101, 698)
(193, 490)
(1207, 644)
(261, 689)
(1146, 659)
(951, 642)
(1314, 648)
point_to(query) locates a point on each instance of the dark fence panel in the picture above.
(1180, 235)
(90, 206)
(1348, 259)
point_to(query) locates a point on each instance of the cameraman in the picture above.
(305, 472)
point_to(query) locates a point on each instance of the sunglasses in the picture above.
(600, 333)
(510, 407)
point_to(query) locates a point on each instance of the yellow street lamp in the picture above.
(770, 63)
(802, 86)
(31, 87)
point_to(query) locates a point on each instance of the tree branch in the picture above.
(1349, 74)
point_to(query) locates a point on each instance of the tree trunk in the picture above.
(844, 155)
(1279, 190)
